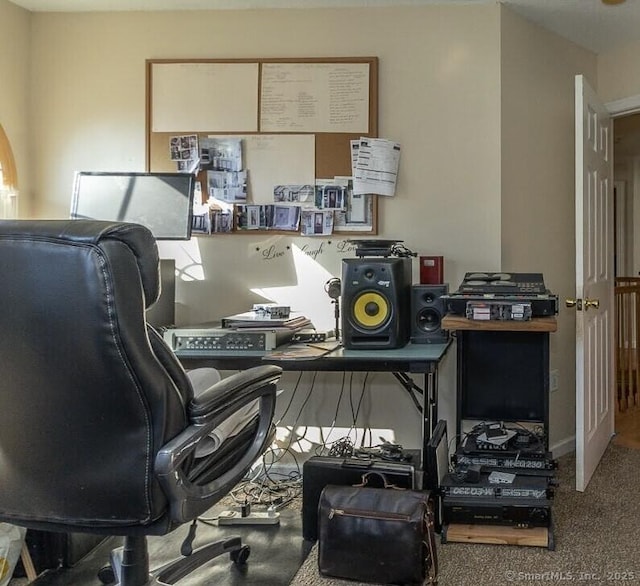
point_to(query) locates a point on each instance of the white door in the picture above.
(594, 282)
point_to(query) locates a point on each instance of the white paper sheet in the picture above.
(376, 166)
(273, 159)
(314, 97)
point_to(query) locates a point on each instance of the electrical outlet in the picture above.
(553, 381)
(261, 518)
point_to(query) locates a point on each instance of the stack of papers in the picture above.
(254, 319)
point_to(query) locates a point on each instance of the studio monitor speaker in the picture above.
(427, 311)
(376, 302)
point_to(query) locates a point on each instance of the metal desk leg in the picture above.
(429, 416)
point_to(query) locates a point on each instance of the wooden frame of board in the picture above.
(183, 97)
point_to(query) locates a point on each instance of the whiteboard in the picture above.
(199, 97)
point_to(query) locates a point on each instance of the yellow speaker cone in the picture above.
(370, 310)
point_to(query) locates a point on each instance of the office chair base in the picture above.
(121, 573)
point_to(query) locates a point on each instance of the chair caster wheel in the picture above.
(240, 556)
(106, 575)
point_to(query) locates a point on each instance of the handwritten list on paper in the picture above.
(315, 97)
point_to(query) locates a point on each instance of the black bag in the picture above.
(382, 535)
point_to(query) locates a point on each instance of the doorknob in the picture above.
(577, 303)
(595, 303)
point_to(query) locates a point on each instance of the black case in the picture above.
(51, 550)
(318, 471)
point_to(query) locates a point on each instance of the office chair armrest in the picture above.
(189, 499)
(230, 392)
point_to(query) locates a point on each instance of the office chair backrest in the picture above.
(86, 395)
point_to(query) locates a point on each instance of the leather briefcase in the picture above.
(382, 535)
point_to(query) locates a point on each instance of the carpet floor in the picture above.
(596, 542)
(597, 536)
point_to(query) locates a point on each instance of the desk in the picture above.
(401, 362)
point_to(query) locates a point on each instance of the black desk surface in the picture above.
(410, 358)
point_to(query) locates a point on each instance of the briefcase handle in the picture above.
(385, 482)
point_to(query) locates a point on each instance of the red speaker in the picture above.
(376, 302)
(427, 311)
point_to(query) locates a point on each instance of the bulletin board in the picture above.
(331, 101)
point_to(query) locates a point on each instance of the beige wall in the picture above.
(618, 73)
(481, 183)
(438, 96)
(538, 211)
(14, 92)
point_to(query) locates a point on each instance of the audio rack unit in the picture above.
(203, 341)
(522, 513)
(504, 475)
(504, 290)
(520, 486)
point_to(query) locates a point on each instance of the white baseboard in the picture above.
(565, 446)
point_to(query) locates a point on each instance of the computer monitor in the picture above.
(163, 202)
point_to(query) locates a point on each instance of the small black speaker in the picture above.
(427, 311)
(376, 301)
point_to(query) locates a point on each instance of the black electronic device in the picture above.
(437, 466)
(318, 471)
(507, 288)
(376, 247)
(376, 302)
(501, 283)
(544, 465)
(427, 311)
(521, 513)
(54, 550)
(437, 456)
(508, 441)
(310, 336)
(163, 202)
(496, 485)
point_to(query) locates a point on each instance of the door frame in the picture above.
(620, 108)
(624, 106)
(617, 109)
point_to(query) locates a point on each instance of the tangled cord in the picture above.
(401, 250)
(342, 448)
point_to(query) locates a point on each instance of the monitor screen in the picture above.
(163, 202)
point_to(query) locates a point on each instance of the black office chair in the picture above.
(98, 421)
